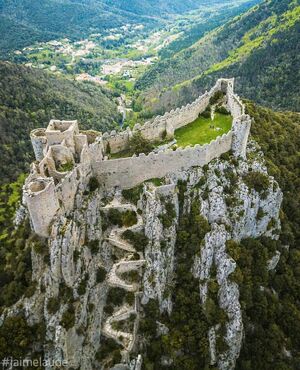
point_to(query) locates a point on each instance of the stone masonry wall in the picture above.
(168, 123)
(90, 159)
(129, 172)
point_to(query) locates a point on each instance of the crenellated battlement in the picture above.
(66, 158)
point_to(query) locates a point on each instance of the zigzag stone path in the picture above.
(125, 312)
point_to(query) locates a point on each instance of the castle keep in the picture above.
(66, 158)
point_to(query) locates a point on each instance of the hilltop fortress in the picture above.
(67, 158)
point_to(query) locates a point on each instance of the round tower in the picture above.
(39, 142)
(41, 200)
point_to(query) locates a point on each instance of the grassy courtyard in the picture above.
(203, 130)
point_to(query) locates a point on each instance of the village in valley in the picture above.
(113, 59)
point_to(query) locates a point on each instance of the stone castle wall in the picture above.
(165, 125)
(42, 202)
(49, 192)
(129, 172)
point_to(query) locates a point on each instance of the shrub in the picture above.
(108, 150)
(82, 285)
(68, 318)
(218, 95)
(257, 181)
(76, 255)
(221, 344)
(233, 249)
(93, 184)
(206, 113)
(38, 244)
(237, 276)
(138, 144)
(130, 298)
(127, 218)
(116, 296)
(16, 337)
(65, 293)
(114, 217)
(168, 217)
(110, 348)
(164, 135)
(201, 182)
(163, 244)
(53, 305)
(260, 214)
(222, 110)
(94, 246)
(138, 240)
(109, 309)
(156, 181)
(65, 167)
(133, 195)
(131, 276)
(100, 275)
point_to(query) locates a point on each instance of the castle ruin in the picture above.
(66, 158)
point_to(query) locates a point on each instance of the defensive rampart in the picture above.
(67, 158)
(129, 172)
(164, 126)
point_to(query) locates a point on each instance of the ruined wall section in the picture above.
(240, 133)
(40, 197)
(39, 142)
(129, 172)
(164, 126)
(49, 192)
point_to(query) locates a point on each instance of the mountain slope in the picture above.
(50, 19)
(30, 98)
(269, 300)
(254, 47)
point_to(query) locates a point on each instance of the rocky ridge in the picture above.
(71, 299)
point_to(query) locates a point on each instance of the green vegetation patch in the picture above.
(17, 337)
(127, 218)
(138, 240)
(133, 195)
(203, 130)
(186, 343)
(68, 318)
(109, 350)
(257, 181)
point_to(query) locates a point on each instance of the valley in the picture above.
(150, 184)
(116, 58)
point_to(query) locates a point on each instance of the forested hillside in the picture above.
(270, 300)
(30, 98)
(254, 47)
(273, 320)
(25, 22)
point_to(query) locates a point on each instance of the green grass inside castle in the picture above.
(203, 130)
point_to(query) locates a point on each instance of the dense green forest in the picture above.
(30, 98)
(270, 300)
(208, 22)
(253, 47)
(272, 319)
(27, 21)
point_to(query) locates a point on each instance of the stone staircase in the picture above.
(124, 265)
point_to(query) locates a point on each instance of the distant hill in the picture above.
(24, 22)
(30, 98)
(260, 48)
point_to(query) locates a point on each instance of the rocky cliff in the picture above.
(117, 252)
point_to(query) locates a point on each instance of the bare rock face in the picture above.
(160, 250)
(69, 297)
(234, 211)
